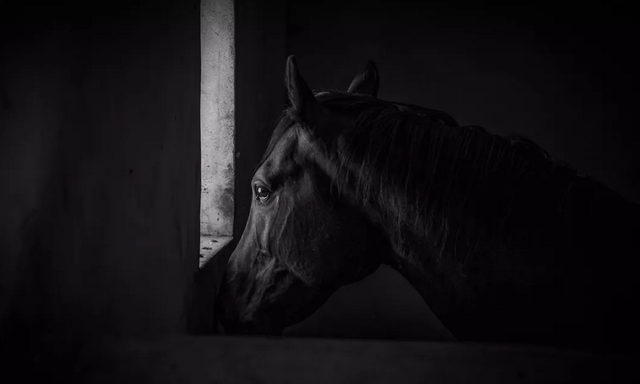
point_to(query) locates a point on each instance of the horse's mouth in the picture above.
(233, 324)
(236, 327)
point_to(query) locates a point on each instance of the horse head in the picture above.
(304, 238)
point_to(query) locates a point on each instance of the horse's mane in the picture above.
(286, 120)
(462, 188)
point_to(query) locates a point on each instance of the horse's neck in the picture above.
(553, 232)
(525, 257)
(508, 290)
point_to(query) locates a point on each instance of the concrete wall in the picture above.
(100, 175)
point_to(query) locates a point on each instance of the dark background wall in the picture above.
(571, 89)
(99, 153)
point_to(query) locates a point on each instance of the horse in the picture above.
(503, 243)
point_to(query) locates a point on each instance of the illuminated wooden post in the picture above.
(217, 121)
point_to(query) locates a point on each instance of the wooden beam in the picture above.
(263, 360)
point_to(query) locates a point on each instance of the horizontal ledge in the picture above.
(250, 360)
(210, 245)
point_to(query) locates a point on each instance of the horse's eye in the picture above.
(262, 193)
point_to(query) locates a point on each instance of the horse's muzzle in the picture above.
(228, 314)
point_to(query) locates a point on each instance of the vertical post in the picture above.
(217, 119)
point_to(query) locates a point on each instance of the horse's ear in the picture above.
(367, 82)
(303, 102)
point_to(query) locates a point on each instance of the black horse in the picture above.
(502, 242)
